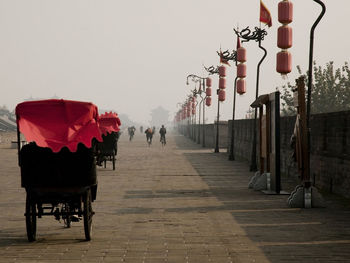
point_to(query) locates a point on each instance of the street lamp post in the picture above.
(179, 127)
(199, 119)
(258, 36)
(194, 112)
(226, 55)
(307, 180)
(201, 81)
(212, 70)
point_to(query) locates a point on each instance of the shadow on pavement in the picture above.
(282, 233)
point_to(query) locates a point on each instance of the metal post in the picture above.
(253, 165)
(227, 56)
(308, 183)
(217, 125)
(18, 143)
(194, 120)
(189, 127)
(199, 119)
(231, 157)
(258, 35)
(203, 124)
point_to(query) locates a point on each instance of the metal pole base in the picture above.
(305, 197)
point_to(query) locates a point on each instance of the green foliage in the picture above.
(330, 90)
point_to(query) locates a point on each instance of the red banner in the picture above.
(265, 15)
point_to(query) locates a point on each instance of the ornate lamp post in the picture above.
(201, 81)
(258, 35)
(221, 71)
(309, 89)
(227, 56)
(179, 117)
(207, 98)
(194, 112)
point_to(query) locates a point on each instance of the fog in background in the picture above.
(133, 56)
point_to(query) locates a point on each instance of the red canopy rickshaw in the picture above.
(107, 149)
(58, 167)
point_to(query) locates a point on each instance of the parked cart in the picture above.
(107, 149)
(58, 166)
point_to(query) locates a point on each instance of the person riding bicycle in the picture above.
(162, 132)
(149, 135)
(131, 131)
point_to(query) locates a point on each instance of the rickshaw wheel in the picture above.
(30, 219)
(113, 160)
(87, 214)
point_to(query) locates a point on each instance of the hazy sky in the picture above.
(132, 56)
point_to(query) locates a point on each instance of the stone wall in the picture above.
(210, 135)
(330, 149)
(209, 132)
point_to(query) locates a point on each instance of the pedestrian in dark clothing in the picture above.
(162, 133)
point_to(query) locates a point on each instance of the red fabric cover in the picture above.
(109, 122)
(58, 123)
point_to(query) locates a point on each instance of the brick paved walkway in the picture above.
(179, 203)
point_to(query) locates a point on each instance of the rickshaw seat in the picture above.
(41, 167)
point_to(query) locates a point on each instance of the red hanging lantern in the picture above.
(189, 106)
(208, 82)
(193, 100)
(241, 54)
(284, 62)
(241, 86)
(222, 83)
(208, 101)
(208, 91)
(193, 111)
(284, 37)
(222, 95)
(222, 71)
(241, 70)
(285, 12)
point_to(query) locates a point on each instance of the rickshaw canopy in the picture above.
(109, 122)
(58, 123)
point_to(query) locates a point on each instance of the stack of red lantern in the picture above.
(241, 69)
(222, 83)
(208, 92)
(188, 109)
(193, 105)
(284, 37)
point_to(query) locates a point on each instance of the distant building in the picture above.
(159, 117)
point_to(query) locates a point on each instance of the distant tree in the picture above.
(250, 113)
(330, 90)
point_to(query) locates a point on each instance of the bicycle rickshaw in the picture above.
(58, 167)
(107, 149)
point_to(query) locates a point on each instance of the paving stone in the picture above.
(180, 203)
